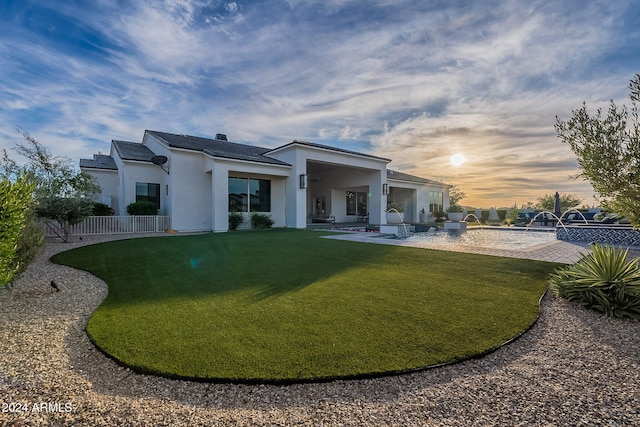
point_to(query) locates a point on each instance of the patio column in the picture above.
(220, 198)
(377, 200)
(296, 197)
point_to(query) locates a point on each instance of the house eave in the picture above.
(98, 169)
(243, 161)
(416, 182)
(327, 149)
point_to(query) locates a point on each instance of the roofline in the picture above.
(424, 181)
(327, 148)
(159, 139)
(233, 159)
(99, 169)
(167, 144)
(113, 143)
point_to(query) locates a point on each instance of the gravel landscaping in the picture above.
(574, 367)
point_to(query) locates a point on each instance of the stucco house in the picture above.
(198, 181)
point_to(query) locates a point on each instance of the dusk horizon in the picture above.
(460, 92)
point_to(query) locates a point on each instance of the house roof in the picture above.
(133, 151)
(99, 161)
(217, 147)
(401, 176)
(328, 147)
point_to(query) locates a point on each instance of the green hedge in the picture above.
(142, 208)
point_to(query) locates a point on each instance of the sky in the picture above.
(415, 81)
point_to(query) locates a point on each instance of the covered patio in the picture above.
(341, 194)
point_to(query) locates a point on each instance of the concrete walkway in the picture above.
(555, 251)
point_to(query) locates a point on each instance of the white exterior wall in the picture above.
(218, 172)
(134, 172)
(418, 197)
(190, 189)
(108, 181)
(295, 209)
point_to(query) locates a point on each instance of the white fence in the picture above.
(114, 225)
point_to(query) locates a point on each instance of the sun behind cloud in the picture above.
(457, 159)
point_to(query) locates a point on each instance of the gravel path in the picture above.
(574, 367)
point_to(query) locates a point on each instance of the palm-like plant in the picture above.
(603, 280)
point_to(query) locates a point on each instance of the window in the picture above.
(260, 194)
(357, 203)
(249, 195)
(148, 192)
(435, 201)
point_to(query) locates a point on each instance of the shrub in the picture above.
(603, 281)
(440, 216)
(260, 220)
(101, 209)
(15, 207)
(455, 209)
(235, 219)
(30, 242)
(142, 208)
(60, 213)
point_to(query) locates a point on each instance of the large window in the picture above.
(357, 203)
(435, 201)
(249, 195)
(148, 192)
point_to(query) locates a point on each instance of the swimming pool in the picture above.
(488, 238)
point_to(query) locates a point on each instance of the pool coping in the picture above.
(558, 251)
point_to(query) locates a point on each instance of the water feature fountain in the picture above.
(533, 220)
(399, 229)
(473, 215)
(576, 211)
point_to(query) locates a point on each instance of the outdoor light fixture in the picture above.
(385, 189)
(303, 181)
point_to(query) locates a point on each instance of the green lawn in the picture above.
(287, 305)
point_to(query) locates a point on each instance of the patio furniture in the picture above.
(317, 218)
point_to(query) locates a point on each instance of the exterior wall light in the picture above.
(385, 189)
(303, 181)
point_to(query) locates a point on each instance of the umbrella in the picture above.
(556, 205)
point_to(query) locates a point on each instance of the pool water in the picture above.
(488, 238)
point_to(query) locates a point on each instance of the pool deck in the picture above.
(556, 251)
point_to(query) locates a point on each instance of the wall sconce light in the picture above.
(385, 189)
(303, 181)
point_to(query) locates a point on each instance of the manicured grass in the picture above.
(287, 305)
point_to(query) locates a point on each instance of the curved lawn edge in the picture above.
(102, 267)
(327, 379)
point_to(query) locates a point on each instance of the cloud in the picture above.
(408, 80)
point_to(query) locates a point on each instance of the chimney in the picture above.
(221, 137)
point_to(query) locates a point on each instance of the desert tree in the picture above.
(63, 196)
(455, 195)
(607, 147)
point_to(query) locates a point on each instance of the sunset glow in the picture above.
(415, 81)
(457, 160)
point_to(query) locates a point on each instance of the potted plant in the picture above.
(394, 213)
(455, 213)
(423, 216)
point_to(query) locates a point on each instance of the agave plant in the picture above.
(603, 280)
